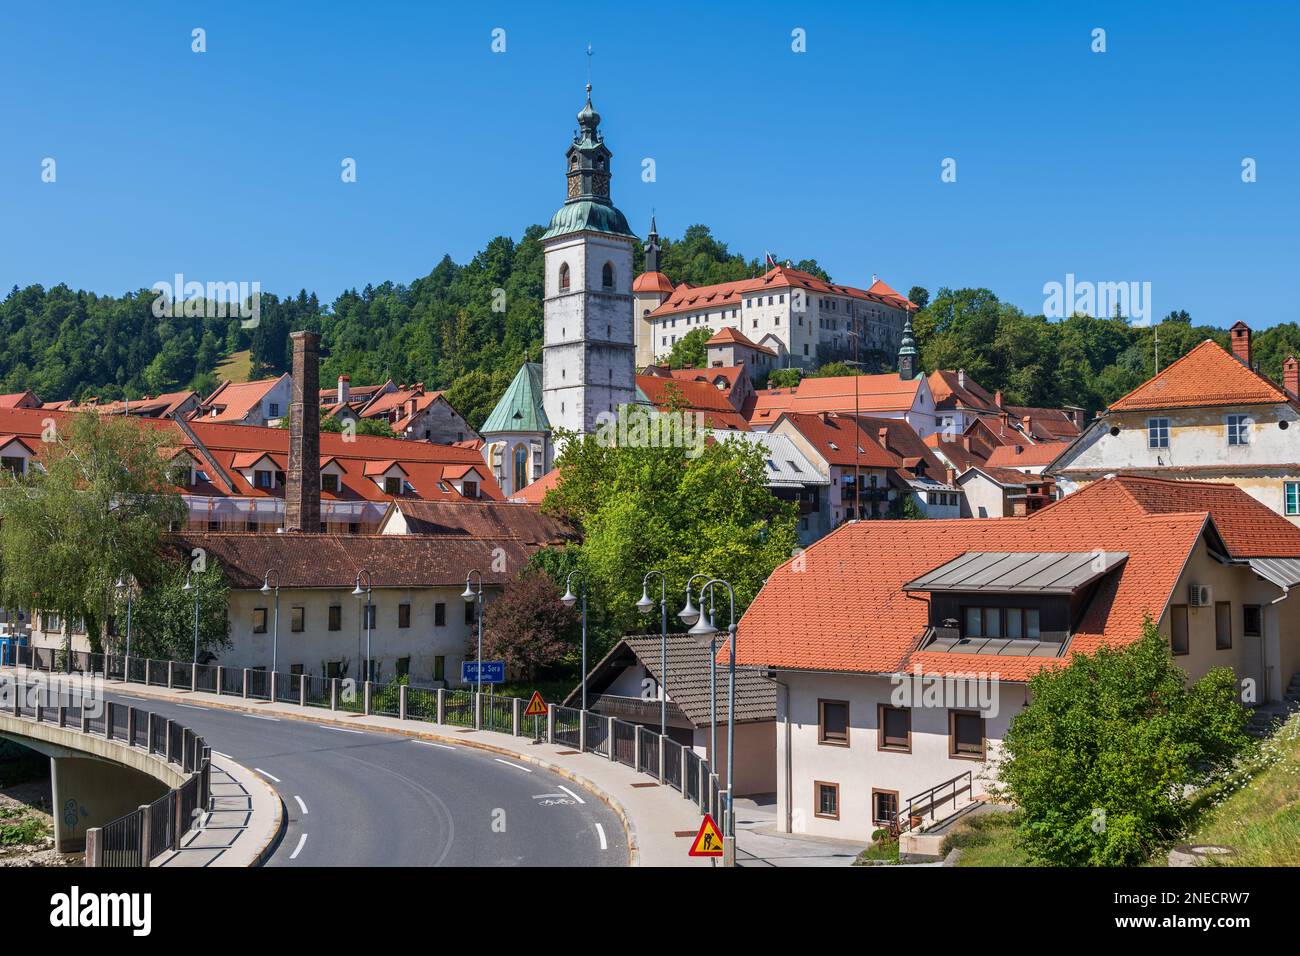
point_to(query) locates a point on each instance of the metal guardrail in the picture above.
(925, 803)
(635, 745)
(128, 840)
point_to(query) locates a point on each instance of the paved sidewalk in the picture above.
(241, 828)
(760, 843)
(660, 823)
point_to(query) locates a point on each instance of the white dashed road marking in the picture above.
(302, 841)
(342, 730)
(301, 806)
(191, 706)
(220, 754)
(430, 743)
(262, 717)
(266, 775)
(515, 765)
(571, 793)
(600, 832)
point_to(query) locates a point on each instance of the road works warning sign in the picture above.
(708, 842)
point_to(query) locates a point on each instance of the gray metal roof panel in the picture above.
(1033, 572)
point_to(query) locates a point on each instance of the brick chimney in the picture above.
(1028, 422)
(345, 389)
(950, 476)
(1291, 376)
(1241, 343)
(997, 398)
(882, 436)
(302, 491)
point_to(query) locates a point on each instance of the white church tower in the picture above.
(588, 355)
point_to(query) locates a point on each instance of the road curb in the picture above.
(272, 842)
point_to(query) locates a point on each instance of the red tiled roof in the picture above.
(1026, 456)
(423, 462)
(697, 396)
(866, 623)
(833, 436)
(686, 298)
(652, 282)
(730, 336)
(534, 493)
(951, 392)
(504, 520)
(903, 441)
(332, 560)
(1207, 375)
(234, 400)
(874, 393)
(956, 452)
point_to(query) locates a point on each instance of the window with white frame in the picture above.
(1238, 430)
(1157, 433)
(1292, 497)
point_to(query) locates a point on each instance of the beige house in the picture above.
(1210, 416)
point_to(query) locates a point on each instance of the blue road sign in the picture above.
(494, 672)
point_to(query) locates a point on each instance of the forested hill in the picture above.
(442, 330)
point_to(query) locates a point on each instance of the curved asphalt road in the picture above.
(356, 798)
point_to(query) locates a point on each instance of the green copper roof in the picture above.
(588, 216)
(520, 408)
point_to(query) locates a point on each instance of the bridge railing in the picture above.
(132, 839)
(637, 746)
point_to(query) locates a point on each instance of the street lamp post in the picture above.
(701, 631)
(689, 615)
(569, 600)
(357, 592)
(123, 586)
(645, 606)
(275, 627)
(191, 587)
(470, 597)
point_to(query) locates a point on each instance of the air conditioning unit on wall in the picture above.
(1200, 595)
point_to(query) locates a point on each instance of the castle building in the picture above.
(806, 321)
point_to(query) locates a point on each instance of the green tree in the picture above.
(919, 296)
(784, 378)
(679, 509)
(162, 615)
(95, 512)
(1100, 761)
(689, 350)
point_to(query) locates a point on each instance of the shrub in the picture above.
(1103, 759)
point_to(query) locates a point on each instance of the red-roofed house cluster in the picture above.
(863, 627)
(1210, 416)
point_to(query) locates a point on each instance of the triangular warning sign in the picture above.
(536, 707)
(708, 842)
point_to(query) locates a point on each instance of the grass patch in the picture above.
(19, 828)
(882, 851)
(237, 366)
(1256, 808)
(986, 839)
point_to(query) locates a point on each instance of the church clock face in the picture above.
(600, 184)
(575, 187)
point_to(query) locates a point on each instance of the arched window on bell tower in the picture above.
(564, 277)
(521, 467)
(607, 275)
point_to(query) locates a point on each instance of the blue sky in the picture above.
(1119, 166)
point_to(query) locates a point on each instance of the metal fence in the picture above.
(636, 746)
(138, 837)
(458, 708)
(499, 714)
(625, 743)
(567, 723)
(597, 733)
